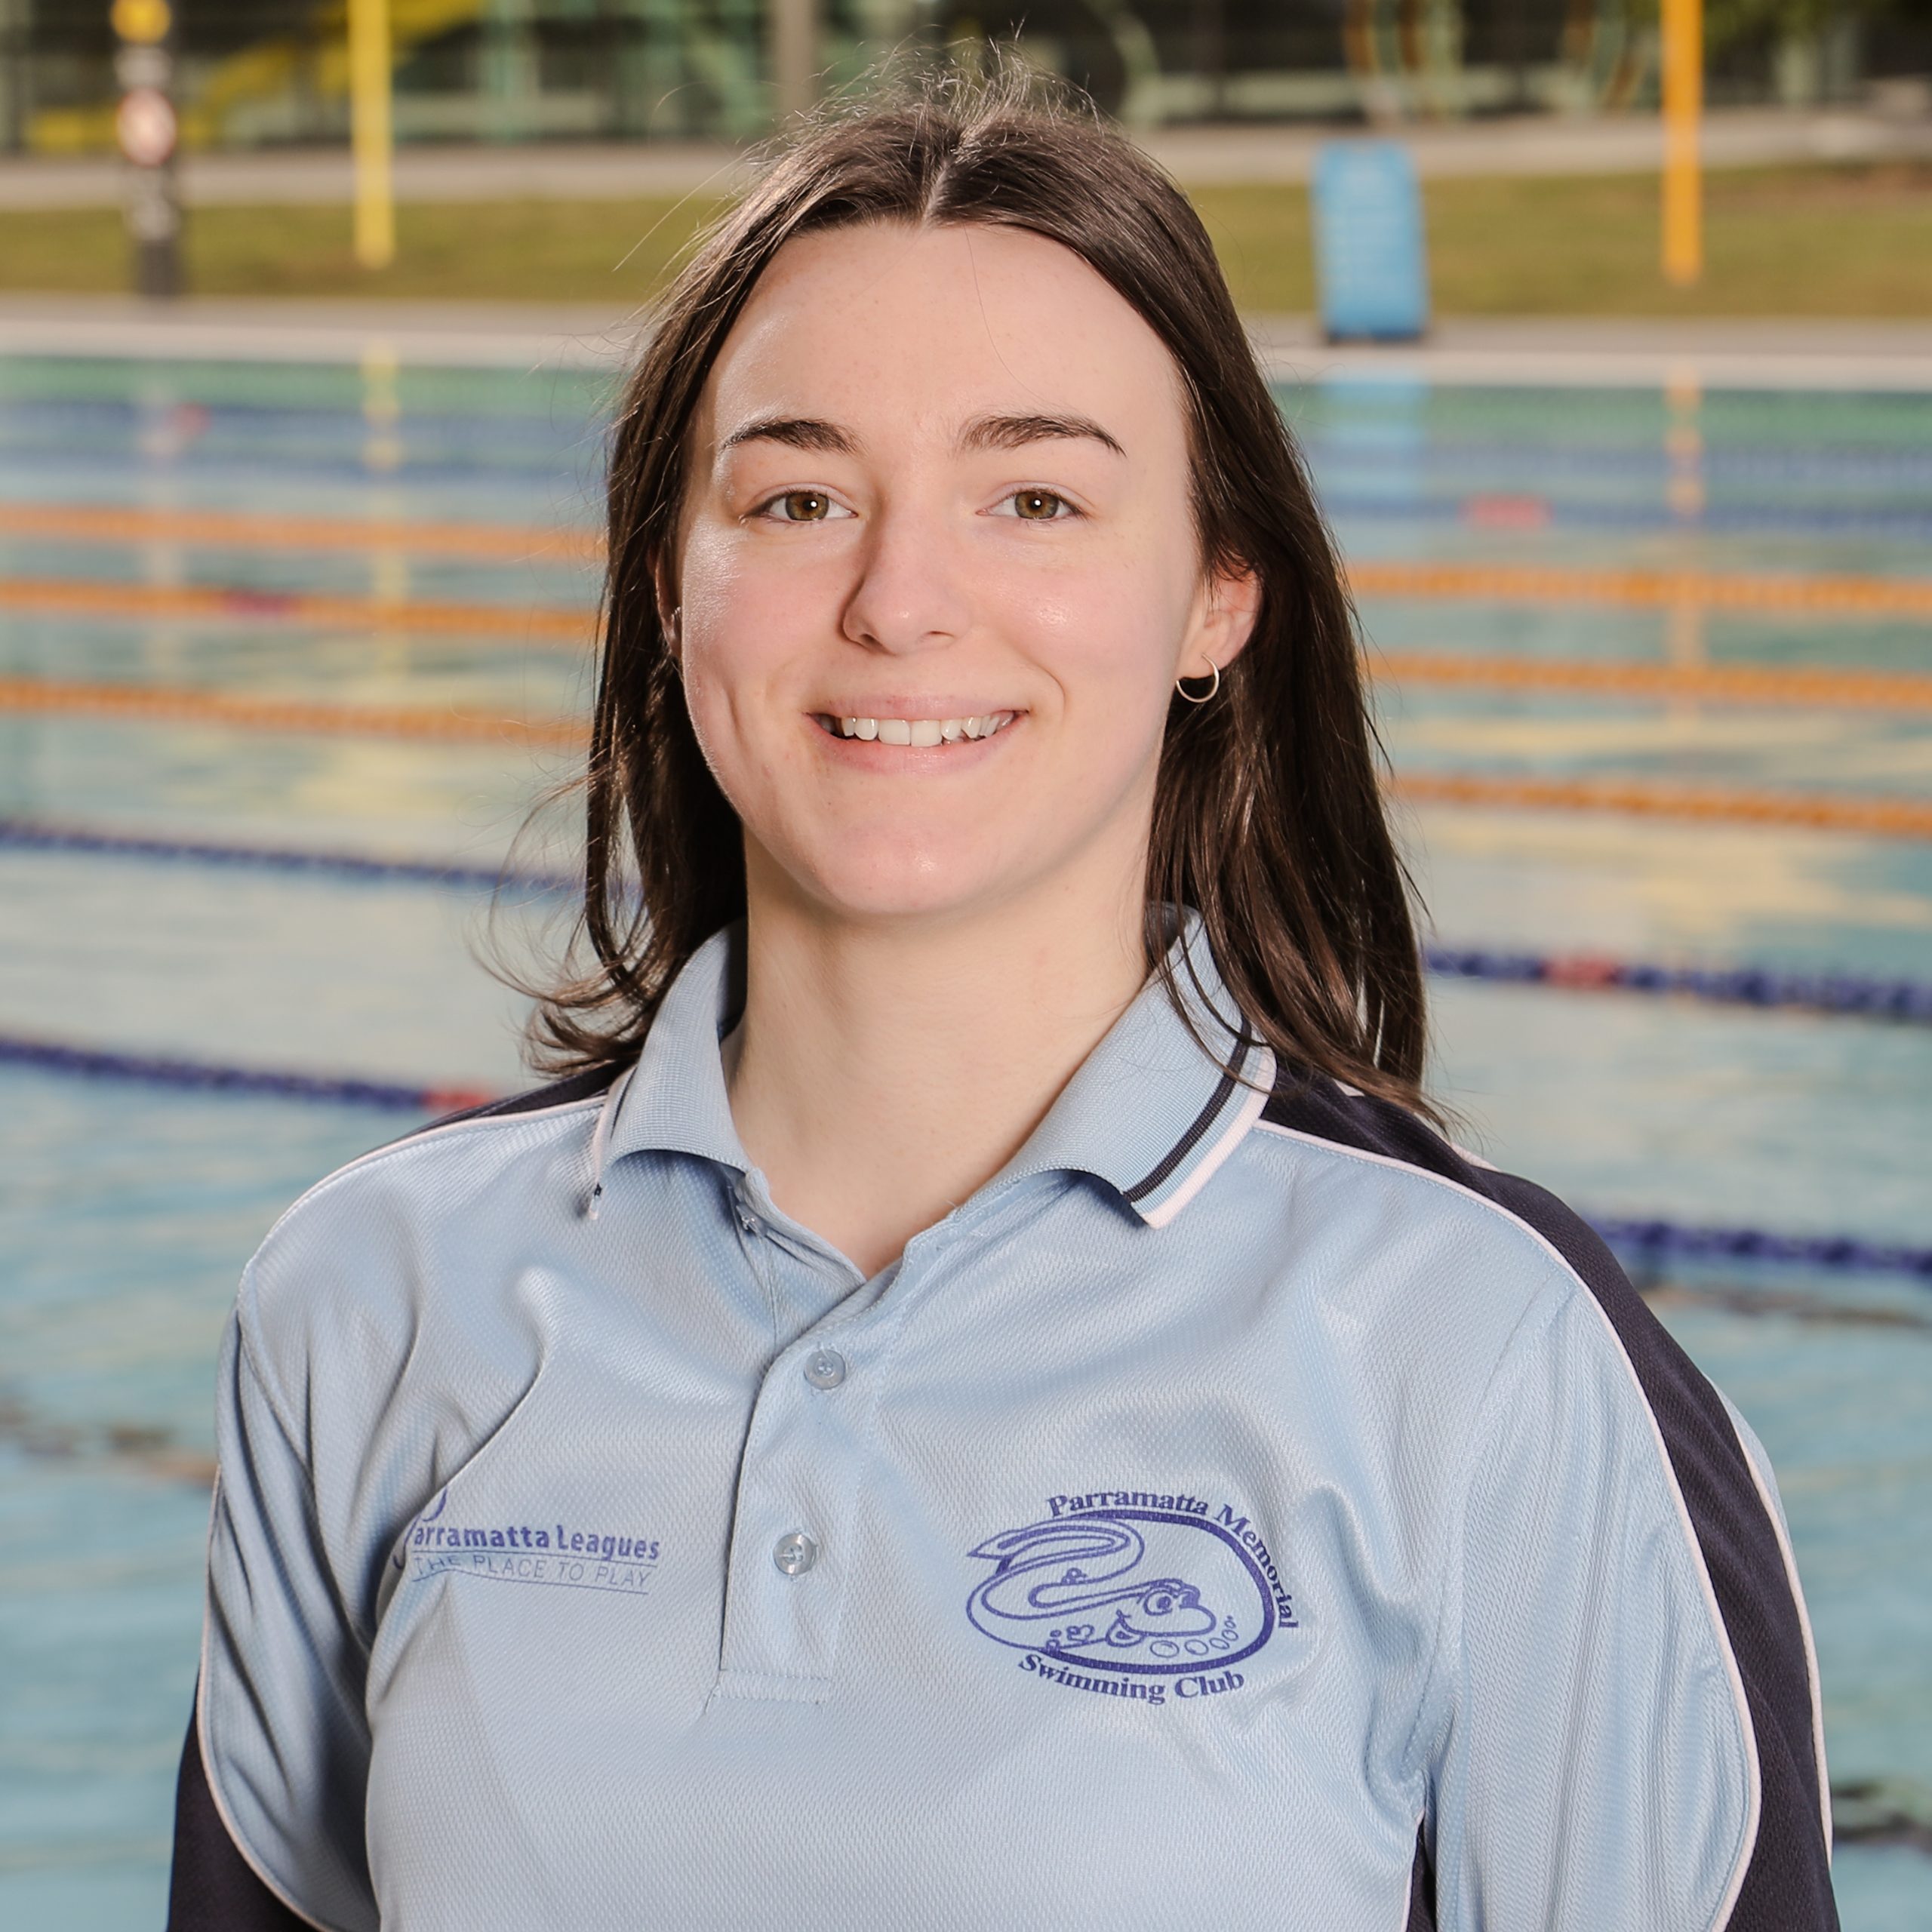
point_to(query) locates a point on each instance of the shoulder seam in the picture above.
(247, 1298)
(422, 1137)
(1573, 1283)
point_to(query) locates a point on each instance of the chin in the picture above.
(892, 877)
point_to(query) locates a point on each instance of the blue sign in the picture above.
(1371, 266)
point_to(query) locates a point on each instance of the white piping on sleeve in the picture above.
(391, 1148)
(1727, 1903)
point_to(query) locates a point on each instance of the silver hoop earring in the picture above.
(1181, 687)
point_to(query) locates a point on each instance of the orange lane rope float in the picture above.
(1887, 817)
(1858, 812)
(178, 705)
(546, 624)
(1875, 596)
(249, 530)
(1871, 596)
(84, 597)
(1728, 684)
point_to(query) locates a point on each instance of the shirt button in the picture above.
(795, 1552)
(750, 1222)
(825, 1368)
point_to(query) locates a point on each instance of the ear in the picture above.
(1224, 610)
(665, 593)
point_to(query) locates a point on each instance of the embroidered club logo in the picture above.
(1156, 1589)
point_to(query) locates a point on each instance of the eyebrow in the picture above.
(1013, 432)
(983, 432)
(798, 432)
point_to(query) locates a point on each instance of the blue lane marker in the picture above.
(1856, 996)
(34, 836)
(1654, 1241)
(1650, 1242)
(207, 1076)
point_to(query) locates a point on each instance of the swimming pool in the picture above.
(250, 609)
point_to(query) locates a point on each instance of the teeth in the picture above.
(924, 730)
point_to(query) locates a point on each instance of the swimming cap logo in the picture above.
(1150, 1591)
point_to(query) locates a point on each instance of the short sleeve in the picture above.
(1597, 1766)
(283, 1735)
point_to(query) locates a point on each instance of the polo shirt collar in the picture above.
(1151, 1111)
(674, 1099)
(1154, 1110)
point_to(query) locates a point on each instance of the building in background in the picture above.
(267, 72)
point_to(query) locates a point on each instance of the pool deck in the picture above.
(1565, 351)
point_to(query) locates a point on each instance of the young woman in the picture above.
(981, 1400)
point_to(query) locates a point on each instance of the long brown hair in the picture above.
(1269, 818)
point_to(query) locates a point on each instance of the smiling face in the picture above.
(938, 572)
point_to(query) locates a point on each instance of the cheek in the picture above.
(1110, 635)
(739, 627)
(726, 604)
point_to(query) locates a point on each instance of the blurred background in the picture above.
(1607, 331)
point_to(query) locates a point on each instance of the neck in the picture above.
(883, 1071)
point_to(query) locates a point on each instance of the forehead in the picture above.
(927, 327)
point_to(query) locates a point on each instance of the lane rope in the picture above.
(126, 523)
(1428, 581)
(207, 1076)
(550, 625)
(1651, 1241)
(1621, 677)
(1875, 816)
(82, 597)
(1854, 994)
(1508, 510)
(41, 835)
(1873, 596)
(1370, 576)
(252, 530)
(178, 704)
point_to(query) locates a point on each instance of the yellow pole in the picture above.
(1683, 107)
(791, 40)
(370, 132)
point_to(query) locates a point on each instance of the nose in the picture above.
(910, 596)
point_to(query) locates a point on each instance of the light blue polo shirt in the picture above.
(1202, 1516)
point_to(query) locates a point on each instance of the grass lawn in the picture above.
(1851, 240)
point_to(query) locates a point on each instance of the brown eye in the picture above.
(1037, 506)
(805, 505)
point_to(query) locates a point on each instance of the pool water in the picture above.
(129, 1208)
